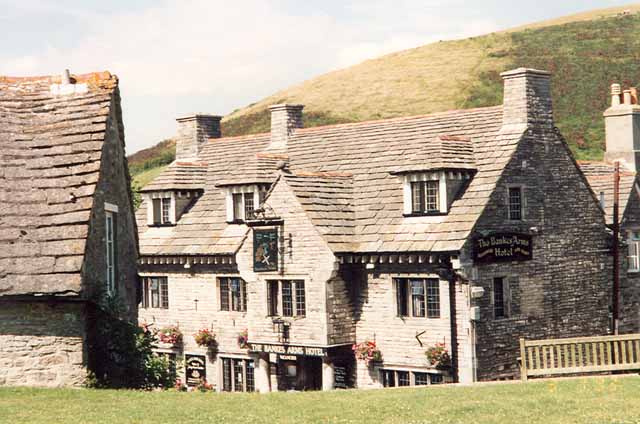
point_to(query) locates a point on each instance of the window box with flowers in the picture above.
(206, 338)
(243, 339)
(170, 335)
(438, 356)
(368, 352)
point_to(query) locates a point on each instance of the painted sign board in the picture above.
(499, 247)
(265, 250)
(196, 369)
(288, 350)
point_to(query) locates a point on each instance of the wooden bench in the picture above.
(579, 355)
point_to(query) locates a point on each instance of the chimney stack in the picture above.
(193, 133)
(285, 119)
(622, 128)
(527, 97)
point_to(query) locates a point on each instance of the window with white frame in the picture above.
(418, 297)
(425, 193)
(111, 247)
(292, 294)
(161, 211)
(400, 378)
(634, 251)
(155, 293)
(242, 201)
(515, 203)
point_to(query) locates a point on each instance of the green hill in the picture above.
(585, 53)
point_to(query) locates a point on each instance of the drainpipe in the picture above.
(616, 255)
(451, 277)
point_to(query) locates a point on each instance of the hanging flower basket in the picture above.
(367, 351)
(206, 338)
(438, 356)
(243, 339)
(170, 335)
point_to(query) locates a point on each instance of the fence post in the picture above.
(523, 360)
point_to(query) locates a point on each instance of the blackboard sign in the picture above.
(340, 377)
(499, 247)
(265, 250)
(196, 369)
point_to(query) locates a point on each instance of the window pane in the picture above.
(633, 255)
(287, 300)
(403, 378)
(417, 298)
(157, 211)
(226, 375)
(224, 294)
(248, 205)
(402, 287)
(300, 299)
(417, 197)
(237, 207)
(236, 295)
(164, 293)
(388, 378)
(515, 203)
(251, 386)
(238, 375)
(436, 378)
(433, 298)
(421, 378)
(262, 194)
(432, 196)
(498, 297)
(272, 297)
(166, 204)
(145, 293)
(155, 293)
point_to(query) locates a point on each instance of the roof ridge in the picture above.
(327, 174)
(238, 137)
(87, 77)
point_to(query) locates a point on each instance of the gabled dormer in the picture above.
(434, 176)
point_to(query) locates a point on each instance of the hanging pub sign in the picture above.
(196, 367)
(499, 247)
(265, 250)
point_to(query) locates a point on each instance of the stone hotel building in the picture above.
(464, 230)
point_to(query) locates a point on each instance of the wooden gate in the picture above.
(579, 355)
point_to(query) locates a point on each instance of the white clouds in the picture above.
(232, 52)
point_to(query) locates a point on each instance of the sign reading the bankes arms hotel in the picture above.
(498, 247)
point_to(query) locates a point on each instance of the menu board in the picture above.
(340, 377)
(196, 369)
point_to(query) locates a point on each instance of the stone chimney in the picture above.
(193, 133)
(622, 128)
(527, 97)
(285, 119)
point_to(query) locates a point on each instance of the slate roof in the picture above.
(372, 153)
(327, 198)
(50, 157)
(600, 177)
(179, 176)
(443, 152)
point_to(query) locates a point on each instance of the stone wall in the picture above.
(42, 344)
(114, 188)
(564, 291)
(629, 281)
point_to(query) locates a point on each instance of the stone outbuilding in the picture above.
(458, 231)
(67, 229)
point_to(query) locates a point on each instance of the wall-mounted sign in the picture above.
(196, 369)
(288, 350)
(265, 250)
(498, 247)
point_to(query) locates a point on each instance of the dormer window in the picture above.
(425, 197)
(425, 193)
(162, 208)
(242, 200)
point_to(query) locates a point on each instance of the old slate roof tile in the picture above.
(50, 155)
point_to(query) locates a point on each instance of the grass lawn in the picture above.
(588, 400)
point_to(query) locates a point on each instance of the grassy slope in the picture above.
(595, 400)
(586, 52)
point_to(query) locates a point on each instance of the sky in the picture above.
(178, 57)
